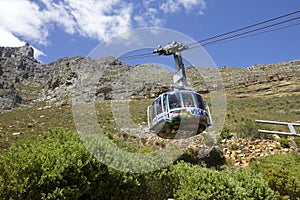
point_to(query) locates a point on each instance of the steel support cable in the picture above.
(251, 35)
(244, 33)
(229, 38)
(246, 27)
(145, 55)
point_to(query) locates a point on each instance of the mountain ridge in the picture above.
(24, 80)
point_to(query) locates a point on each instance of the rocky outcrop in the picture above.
(21, 76)
(254, 80)
(9, 96)
(262, 79)
(24, 80)
(242, 151)
(108, 78)
(14, 52)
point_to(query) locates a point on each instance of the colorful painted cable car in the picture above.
(177, 110)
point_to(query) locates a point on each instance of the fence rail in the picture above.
(291, 127)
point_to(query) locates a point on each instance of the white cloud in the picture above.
(149, 17)
(100, 19)
(33, 20)
(90, 18)
(23, 18)
(172, 6)
(150, 12)
(10, 40)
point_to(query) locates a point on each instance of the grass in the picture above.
(240, 117)
(37, 119)
(241, 110)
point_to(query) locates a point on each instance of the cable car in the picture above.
(174, 110)
(181, 110)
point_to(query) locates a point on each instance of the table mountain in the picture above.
(24, 80)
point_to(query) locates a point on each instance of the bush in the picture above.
(284, 142)
(194, 182)
(282, 174)
(225, 134)
(249, 129)
(56, 166)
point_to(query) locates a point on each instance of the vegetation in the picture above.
(58, 166)
(282, 174)
(201, 183)
(36, 163)
(242, 113)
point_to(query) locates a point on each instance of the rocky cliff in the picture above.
(21, 76)
(24, 80)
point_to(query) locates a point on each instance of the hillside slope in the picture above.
(36, 97)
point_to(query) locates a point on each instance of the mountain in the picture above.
(25, 81)
(35, 97)
(21, 76)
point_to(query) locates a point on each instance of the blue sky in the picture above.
(66, 28)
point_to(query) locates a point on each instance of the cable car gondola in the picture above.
(181, 110)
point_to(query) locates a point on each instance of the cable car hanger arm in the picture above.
(175, 49)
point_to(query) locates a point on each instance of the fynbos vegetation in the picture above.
(42, 156)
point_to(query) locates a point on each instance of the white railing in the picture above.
(291, 127)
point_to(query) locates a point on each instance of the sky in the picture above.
(64, 28)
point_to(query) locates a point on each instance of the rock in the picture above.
(23, 80)
(16, 133)
(21, 76)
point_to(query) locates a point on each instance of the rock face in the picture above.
(263, 79)
(24, 80)
(254, 80)
(21, 76)
(106, 78)
(13, 52)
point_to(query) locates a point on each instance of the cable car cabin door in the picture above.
(157, 113)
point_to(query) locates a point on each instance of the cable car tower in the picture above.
(180, 111)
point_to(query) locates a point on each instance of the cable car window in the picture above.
(151, 112)
(158, 106)
(174, 101)
(188, 100)
(200, 101)
(165, 103)
(153, 109)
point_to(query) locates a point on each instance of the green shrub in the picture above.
(56, 166)
(194, 182)
(225, 133)
(282, 174)
(284, 143)
(297, 141)
(249, 129)
(215, 159)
